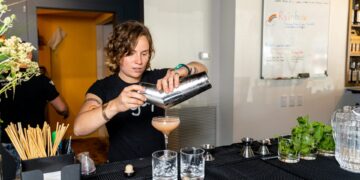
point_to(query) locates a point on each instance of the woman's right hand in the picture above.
(130, 98)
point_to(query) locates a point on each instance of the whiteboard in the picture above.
(295, 38)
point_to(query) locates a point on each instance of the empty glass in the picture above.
(164, 165)
(192, 163)
(87, 164)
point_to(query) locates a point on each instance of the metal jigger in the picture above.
(263, 149)
(247, 152)
(208, 151)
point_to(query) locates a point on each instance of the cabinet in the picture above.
(352, 76)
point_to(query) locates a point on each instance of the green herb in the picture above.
(286, 146)
(308, 136)
(327, 142)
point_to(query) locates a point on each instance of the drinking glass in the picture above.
(165, 124)
(311, 155)
(286, 151)
(192, 163)
(87, 164)
(164, 165)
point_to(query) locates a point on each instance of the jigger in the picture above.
(247, 152)
(208, 151)
(263, 149)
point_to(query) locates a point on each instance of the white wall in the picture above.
(230, 30)
(257, 102)
(180, 30)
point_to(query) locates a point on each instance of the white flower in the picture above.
(14, 54)
(3, 7)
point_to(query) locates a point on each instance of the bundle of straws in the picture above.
(33, 143)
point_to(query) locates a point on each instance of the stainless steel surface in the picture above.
(263, 149)
(189, 87)
(208, 151)
(247, 152)
(247, 140)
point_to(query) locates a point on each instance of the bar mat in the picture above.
(115, 170)
(116, 175)
(232, 154)
(321, 168)
(250, 169)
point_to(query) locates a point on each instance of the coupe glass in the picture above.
(165, 124)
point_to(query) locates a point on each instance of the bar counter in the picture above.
(229, 164)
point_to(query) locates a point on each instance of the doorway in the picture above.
(71, 49)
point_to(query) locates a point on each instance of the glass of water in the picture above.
(164, 165)
(192, 163)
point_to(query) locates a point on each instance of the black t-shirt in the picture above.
(28, 104)
(131, 134)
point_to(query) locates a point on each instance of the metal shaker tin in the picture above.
(189, 87)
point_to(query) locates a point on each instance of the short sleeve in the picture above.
(159, 73)
(97, 90)
(49, 88)
(153, 75)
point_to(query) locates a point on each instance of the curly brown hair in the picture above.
(123, 40)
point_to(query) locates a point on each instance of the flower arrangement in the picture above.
(15, 56)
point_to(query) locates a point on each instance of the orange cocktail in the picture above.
(166, 124)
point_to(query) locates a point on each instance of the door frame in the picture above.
(123, 10)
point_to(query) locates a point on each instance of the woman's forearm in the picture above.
(91, 117)
(196, 67)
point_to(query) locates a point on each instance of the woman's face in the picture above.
(133, 65)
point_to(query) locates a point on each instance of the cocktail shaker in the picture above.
(189, 87)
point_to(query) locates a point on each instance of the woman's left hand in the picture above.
(169, 82)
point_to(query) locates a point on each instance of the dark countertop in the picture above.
(229, 164)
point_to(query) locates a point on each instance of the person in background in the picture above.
(117, 100)
(43, 71)
(28, 106)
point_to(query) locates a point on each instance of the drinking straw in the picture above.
(32, 142)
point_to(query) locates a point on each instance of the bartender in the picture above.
(116, 101)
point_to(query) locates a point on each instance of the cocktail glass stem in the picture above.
(166, 140)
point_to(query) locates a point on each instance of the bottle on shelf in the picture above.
(352, 73)
(356, 12)
(355, 73)
(358, 72)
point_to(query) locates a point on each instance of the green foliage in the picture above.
(308, 136)
(286, 147)
(327, 142)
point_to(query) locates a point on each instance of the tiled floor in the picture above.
(96, 147)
